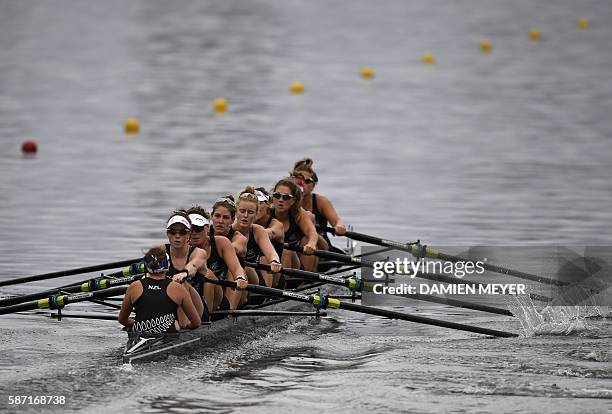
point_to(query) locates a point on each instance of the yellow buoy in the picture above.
(367, 73)
(583, 24)
(485, 46)
(220, 105)
(297, 87)
(429, 59)
(132, 126)
(534, 34)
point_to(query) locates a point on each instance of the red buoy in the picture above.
(29, 147)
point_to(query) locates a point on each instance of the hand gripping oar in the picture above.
(420, 275)
(70, 272)
(355, 284)
(322, 301)
(59, 301)
(419, 250)
(89, 285)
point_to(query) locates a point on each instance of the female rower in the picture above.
(273, 227)
(157, 299)
(221, 260)
(186, 261)
(259, 246)
(319, 205)
(222, 217)
(299, 230)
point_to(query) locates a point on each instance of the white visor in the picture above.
(178, 219)
(261, 196)
(198, 220)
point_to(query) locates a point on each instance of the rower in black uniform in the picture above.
(156, 299)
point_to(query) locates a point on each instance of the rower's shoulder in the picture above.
(198, 251)
(322, 199)
(258, 227)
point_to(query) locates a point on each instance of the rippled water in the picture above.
(507, 148)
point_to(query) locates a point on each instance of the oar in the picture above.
(323, 302)
(82, 315)
(420, 275)
(71, 272)
(418, 250)
(83, 286)
(356, 285)
(351, 282)
(59, 301)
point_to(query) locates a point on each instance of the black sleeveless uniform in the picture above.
(253, 252)
(155, 310)
(215, 263)
(173, 270)
(321, 223)
(293, 235)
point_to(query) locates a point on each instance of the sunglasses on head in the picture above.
(225, 200)
(284, 196)
(177, 232)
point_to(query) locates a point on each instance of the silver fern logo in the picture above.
(160, 324)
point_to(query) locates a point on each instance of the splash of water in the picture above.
(556, 320)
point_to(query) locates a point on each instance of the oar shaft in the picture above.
(63, 300)
(303, 274)
(69, 272)
(458, 303)
(336, 304)
(433, 254)
(83, 286)
(365, 263)
(421, 319)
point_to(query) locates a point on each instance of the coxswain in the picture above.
(259, 247)
(319, 205)
(157, 299)
(298, 227)
(221, 259)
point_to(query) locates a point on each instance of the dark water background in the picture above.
(508, 148)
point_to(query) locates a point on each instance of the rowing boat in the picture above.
(146, 348)
(141, 348)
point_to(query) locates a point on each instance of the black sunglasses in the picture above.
(198, 229)
(284, 196)
(177, 232)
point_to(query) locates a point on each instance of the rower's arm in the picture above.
(228, 254)
(240, 244)
(197, 262)
(264, 243)
(308, 228)
(126, 308)
(275, 231)
(329, 212)
(189, 309)
(327, 209)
